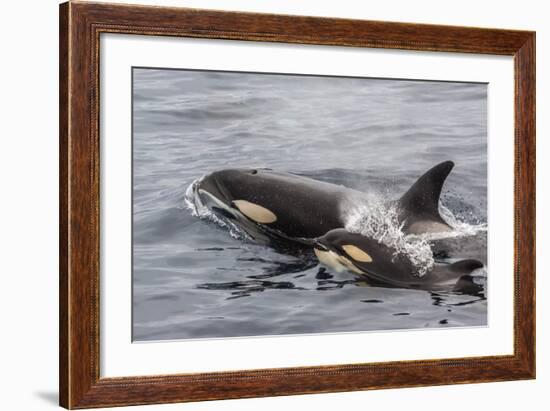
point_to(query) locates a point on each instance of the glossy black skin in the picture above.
(393, 269)
(421, 202)
(305, 208)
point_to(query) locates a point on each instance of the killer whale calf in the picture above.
(383, 265)
(268, 204)
(271, 206)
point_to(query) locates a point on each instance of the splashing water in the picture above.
(380, 222)
(460, 228)
(193, 202)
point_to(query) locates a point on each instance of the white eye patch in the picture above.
(255, 212)
(336, 262)
(357, 254)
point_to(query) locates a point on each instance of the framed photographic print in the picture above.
(258, 205)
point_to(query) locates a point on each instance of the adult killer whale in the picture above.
(380, 264)
(269, 204)
(272, 205)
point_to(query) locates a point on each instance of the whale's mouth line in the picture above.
(216, 200)
(318, 245)
(222, 209)
(201, 203)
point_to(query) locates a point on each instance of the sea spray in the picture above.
(378, 221)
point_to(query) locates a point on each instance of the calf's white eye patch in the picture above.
(255, 212)
(357, 254)
(336, 262)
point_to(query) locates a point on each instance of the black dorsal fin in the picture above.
(423, 197)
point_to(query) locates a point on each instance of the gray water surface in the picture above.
(192, 279)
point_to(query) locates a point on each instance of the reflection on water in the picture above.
(191, 279)
(244, 288)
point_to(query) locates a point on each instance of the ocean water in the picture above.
(193, 279)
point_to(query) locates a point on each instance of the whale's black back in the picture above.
(305, 208)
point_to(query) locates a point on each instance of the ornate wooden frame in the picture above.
(80, 27)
